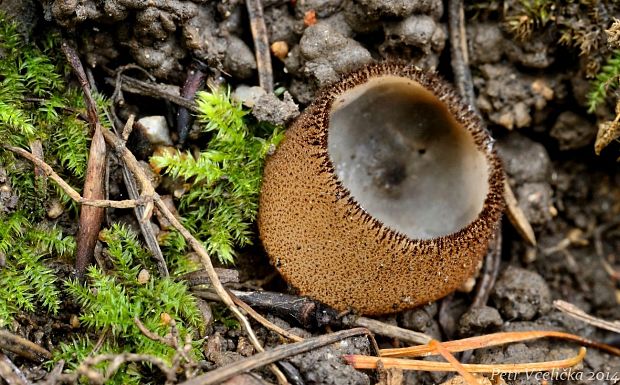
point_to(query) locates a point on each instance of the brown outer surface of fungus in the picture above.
(329, 248)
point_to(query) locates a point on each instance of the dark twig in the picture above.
(458, 53)
(11, 373)
(248, 309)
(490, 270)
(22, 347)
(193, 81)
(271, 356)
(312, 314)
(261, 44)
(91, 218)
(143, 221)
(153, 90)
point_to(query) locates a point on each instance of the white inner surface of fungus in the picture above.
(405, 159)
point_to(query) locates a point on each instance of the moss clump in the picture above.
(36, 109)
(111, 299)
(25, 282)
(221, 204)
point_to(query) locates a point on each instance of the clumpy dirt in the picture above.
(530, 88)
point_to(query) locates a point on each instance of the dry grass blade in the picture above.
(576, 312)
(494, 339)
(367, 362)
(517, 217)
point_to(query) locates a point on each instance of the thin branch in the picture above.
(490, 270)
(23, 347)
(70, 191)
(11, 373)
(153, 90)
(575, 312)
(458, 53)
(261, 44)
(140, 212)
(387, 330)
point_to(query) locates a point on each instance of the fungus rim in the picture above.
(493, 203)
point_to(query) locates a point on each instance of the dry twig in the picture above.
(575, 312)
(271, 356)
(22, 347)
(261, 44)
(91, 217)
(11, 373)
(70, 191)
(140, 211)
(153, 90)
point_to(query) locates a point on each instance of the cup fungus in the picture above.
(384, 193)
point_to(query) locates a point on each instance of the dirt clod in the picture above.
(521, 294)
(479, 320)
(573, 131)
(268, 108)
(325, 366)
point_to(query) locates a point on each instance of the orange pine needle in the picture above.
(368, 362)
(468, 377)
(494, 339)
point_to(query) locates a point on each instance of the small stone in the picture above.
(248, 95)
(468, 285)
(279, 49)
(143, 276)
(239, 60)
(156, 130)
(55, 209)
(310, 17)
(522, 115)
(165, 319)
(74, 321)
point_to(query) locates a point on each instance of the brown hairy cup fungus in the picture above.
(383, 195)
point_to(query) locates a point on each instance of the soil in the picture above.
(531, 92)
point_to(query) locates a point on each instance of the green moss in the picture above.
(111, 300)
(25, 282)
(35, 107)
(221, 204)
(606, 80)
